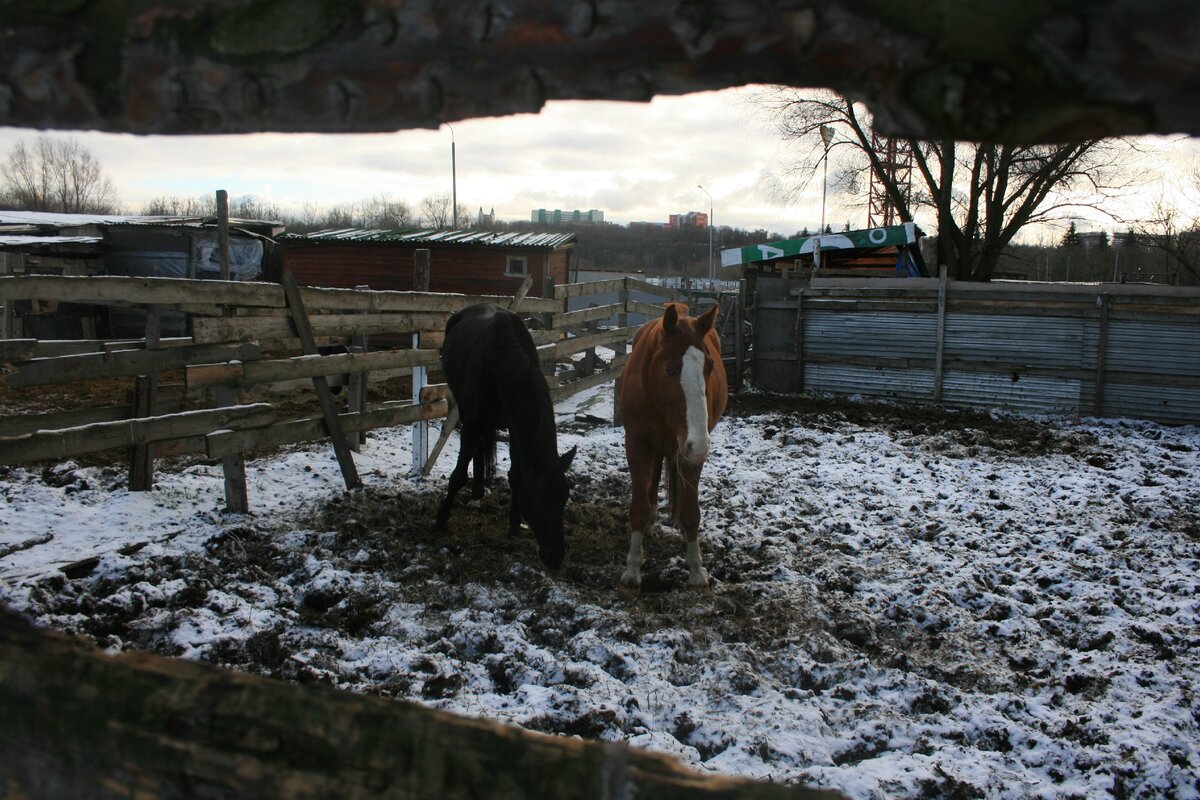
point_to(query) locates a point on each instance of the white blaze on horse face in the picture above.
(691, 380)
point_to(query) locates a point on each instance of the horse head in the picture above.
(679, 372)
(543, 498)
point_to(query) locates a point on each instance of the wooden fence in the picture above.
(258, 334)
(1092, 349)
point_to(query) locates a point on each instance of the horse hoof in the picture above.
(629, 591)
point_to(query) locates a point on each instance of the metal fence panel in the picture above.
(1022, 341)
(876, 334)
(895, 384)
(1013, 392)
(1045, 358)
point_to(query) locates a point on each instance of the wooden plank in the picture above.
(638, 307)
(117, 290)
(645, 287)
(141, 460)
(74, 441)
(277, 370)
(124, 363)
(568, 347)
(558, 393)
(818, 283)
(80, 723)
(27, 349)
(175, 293)
(386, 415)
(233, 466)
(579, 318)
(341, 447)
(26, 424)
(550, 336)
(568, 290)
(235, 329)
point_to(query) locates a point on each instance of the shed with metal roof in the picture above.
(48, 243)
(462, 261)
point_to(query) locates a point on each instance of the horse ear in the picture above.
(566, 458)
(705, 321)
(670, 318)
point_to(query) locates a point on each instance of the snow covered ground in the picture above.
(907, 602)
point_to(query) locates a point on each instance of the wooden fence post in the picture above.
(1102, 303)
(145, 401)
(223, 231)
(798, 338)
(739, 336)
(237, 495)
(6, 307)
(356, 394)
(622, 322)
(420, 434)
(939, 358)
(308, 343)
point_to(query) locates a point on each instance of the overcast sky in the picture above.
(633, 161)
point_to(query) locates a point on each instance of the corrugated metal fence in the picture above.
(1110, 350)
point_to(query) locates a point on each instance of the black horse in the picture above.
(492, 367)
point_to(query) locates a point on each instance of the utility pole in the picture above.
(453, 182)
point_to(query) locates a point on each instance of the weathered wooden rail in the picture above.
(169, 728)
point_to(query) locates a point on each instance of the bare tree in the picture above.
(385, 212)
(981, 194)
(57, 175)
(435, 210)
(1175, 234)
(178, 206)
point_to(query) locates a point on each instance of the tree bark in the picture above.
(1018, 71)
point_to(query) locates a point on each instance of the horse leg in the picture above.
(469, 438)
(688, 513)
(479, 465)
(673, 492)
(642, 505)
(514, 509)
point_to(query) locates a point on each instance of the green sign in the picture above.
(893, 235)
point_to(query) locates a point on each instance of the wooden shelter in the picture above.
(460, 261)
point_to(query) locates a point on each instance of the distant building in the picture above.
(1090, 239)
(692, 219)
(487, 220)
(560, 217)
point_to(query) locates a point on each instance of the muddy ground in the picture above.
(838, 617)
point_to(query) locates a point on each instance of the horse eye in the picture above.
(672, 370)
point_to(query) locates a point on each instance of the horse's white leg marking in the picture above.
(691, 380)
(632, 577)
(696, 574)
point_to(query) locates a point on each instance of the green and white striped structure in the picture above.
(903, 234)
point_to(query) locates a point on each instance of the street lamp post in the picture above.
(453, 181)
(827, 138)
(712, 268)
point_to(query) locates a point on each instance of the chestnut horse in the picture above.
(673, 391)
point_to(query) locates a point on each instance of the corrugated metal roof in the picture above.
(473, 238)
(22, 241)
(46, 219)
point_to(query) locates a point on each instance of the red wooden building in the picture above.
(467, 262)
